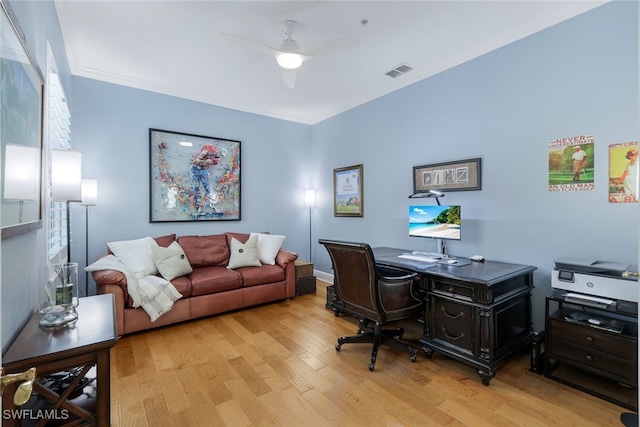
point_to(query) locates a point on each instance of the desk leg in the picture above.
(103, 393)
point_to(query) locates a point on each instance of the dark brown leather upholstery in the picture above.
(372, 294)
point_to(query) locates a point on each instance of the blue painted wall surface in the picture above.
(111, 128)
(21, 255)
(576, 78)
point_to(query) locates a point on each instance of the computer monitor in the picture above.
(438, 222)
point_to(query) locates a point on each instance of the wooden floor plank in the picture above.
(276, 365)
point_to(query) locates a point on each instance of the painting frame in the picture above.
(457, 175)
(348, 197)
(193, 177)
(21, 128)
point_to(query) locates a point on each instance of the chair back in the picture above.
(354, 270)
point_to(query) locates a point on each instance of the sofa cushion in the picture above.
(210, 280)
(241, 237)
(165, 241)
(182, 285)
(171, 261)
(244, 254)
(252, 276)
(136, 255)
(205, 251)
(268, 247)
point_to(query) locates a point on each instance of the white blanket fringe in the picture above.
(154, 294)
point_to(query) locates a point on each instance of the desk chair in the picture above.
(373, 294)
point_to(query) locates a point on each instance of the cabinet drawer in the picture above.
(453, 324)
(617, 345)
(595, 359)
(454, 290)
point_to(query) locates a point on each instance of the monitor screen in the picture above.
(440, 222)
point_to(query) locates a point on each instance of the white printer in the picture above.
(596, 283)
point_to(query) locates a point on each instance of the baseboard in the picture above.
(324, 277)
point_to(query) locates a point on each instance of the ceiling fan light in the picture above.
(290, 61)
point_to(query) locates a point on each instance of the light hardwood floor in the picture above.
(277, 365)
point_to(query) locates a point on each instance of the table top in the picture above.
(94, 330)
(486, 272)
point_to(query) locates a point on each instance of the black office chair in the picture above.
(373, 294)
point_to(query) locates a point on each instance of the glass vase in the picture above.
(58, 293)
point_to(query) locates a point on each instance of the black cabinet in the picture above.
(592, 349)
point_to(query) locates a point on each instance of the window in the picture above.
(58, 129)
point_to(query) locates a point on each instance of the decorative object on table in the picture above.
(459, 175)
(58, 293)
(193, 177)
(20, 126)
(348, 194)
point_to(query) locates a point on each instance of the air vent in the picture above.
(399, 70)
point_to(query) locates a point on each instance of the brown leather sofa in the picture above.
(210, 289)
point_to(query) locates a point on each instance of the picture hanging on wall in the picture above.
(571, 166)
(623, 172)
(348, 196)
(193, 177)
(459, 175)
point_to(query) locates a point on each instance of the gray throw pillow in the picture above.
(244, 255)
(171, 261)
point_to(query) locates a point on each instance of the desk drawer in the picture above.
(614, 344)
(602, 361)
(453, 323)
(454, 290)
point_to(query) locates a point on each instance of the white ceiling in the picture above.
(173, 47)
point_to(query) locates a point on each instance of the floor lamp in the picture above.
(89, 198)
(310, 202)
(66, 182)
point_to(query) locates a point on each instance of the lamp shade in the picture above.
(310, 198)
(89, 192)
(21, 173)
(66, 176)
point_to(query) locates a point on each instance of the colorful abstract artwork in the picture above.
(193, 177)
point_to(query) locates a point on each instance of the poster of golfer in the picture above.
(571, 166)
(623, 172)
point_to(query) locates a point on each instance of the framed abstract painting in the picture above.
(193, 177)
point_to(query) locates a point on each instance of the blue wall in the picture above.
(576, 78)
(21, 255)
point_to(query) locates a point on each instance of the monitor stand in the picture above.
(441, 249)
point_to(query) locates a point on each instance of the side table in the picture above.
(305, 280)
(81, 346)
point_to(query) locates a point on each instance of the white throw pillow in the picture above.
(171, 261)
(136, 255)
(268, 247)
(244, 255)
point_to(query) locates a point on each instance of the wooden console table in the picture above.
(84, 346)
(478, 313)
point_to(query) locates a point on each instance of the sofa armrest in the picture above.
(285, 256)
(119, 301)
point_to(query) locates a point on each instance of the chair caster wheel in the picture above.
(338, 347)
(371, 366)
(413, 358)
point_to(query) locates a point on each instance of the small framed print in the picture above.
(460, 175)
(348, 195)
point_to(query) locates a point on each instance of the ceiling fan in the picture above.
(289, 56)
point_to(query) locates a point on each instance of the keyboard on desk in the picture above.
(423, 258)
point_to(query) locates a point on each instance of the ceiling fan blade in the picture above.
(330, 46)
(289, 78)
(243, 41)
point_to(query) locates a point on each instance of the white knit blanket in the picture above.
(154, 294)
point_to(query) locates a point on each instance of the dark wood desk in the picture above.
(478, 313)
(84, 344)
